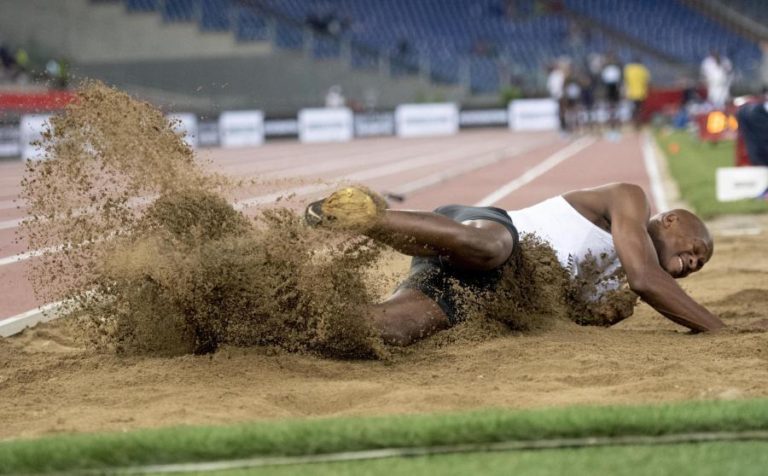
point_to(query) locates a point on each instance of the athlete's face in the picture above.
(683, 244)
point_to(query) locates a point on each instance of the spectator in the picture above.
(334, 98)
(636, 79)
(7, 60)
(22, 59)
(403, 47)
(588, 99)
(555, 84)
(57, 73)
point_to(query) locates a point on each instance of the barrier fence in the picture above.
(251, 128)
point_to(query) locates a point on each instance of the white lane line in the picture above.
(14, 325)
(8, 224)
(28, 255)
(462, 169)
(654, 174)
(533, 173)
(8, 204)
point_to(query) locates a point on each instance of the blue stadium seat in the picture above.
(215, 15)
(250, 26)
(288, 36)
(180, 10)
(142, 5)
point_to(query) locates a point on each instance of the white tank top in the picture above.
(571, 235)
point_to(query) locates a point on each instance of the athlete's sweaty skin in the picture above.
(653, 251)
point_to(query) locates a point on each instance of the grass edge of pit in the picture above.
(187, 444)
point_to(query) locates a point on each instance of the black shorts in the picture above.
(438, 279)
(613, 93)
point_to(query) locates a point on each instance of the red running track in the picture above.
(435, 171)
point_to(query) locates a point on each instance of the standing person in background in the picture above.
(611, 76)
(764, 66)
(753, 128)
(7, 61)
(587, 101)
(594, 65)
(636, 80)
(716, 73)
(555, 84)
(334, 98)
(571, 100)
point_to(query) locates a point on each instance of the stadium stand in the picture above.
(480, 44)
(431, 37)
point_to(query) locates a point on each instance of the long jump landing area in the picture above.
(48, 383)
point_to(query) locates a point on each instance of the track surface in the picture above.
(465, 169)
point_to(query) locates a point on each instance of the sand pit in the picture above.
(184, 273)
(49, 384)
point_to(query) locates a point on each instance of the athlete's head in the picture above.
(682, 242)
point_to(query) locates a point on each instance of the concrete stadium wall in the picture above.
(88, 32)
(278, 83)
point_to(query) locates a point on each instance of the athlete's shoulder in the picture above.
(630, 191)
(626, 199)
(611, 199)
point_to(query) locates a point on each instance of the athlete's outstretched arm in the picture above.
(629, 213)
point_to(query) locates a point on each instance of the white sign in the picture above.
(185, 123)
(32, 126)
(325, 125)
(533, 115)
(418, 120)
(739, 183)
(241, 128)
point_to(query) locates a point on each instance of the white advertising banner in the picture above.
(326, 125)
(241, 128)
(185, 123)
(739, 183)
(533, 115)
(31, 130)
(419, 120)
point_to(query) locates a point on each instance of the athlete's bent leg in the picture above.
(474, 244)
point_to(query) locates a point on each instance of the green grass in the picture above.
(693, 168)
(705, 459)
(297, 437)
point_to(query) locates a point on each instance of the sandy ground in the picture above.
(48, 384)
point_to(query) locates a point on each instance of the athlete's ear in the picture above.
(669, 219)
